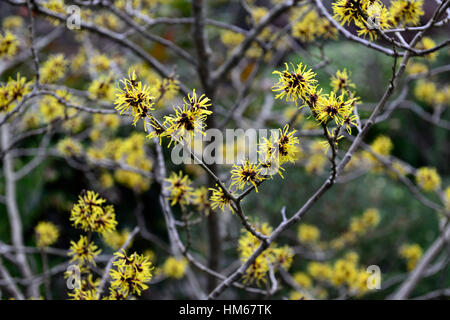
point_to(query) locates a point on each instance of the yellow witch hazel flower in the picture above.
(116, 239)
(199, 105)
(412, 253)
(56, 6)
(320, 271)
(258, 13)
(106, 180)
(246, 173)
(369, 220)
(349, 120)
(416, 68)
(90, 214)
(188, 119)
(168, 88)
(132, 152)
(107, 20)
(377, 19)
(272, 257)
(316, 163)
(307, 28)
(157, 130)
(231, 39)
(382, 145)
(261, 266)
(131, 274)
(326, 30)
(54, 68)
(428, 179)
(425, 44)
(83, 251)
(308, 233)
(100, 63)
(46, 234)
(12, 92)
(179, 187)
(69, 147)
(279, 149)
(8, 45)
(307, 25)
(340, 82)
(346, 11)
(359, 284)
(51, 108)
(369, 16)
(102, 88)
(201, 201)
(283, 256)
(371, 217)
(184, 124)
(269, 164)
(81, 294)
(219, 199)
(344, 272)
(443, 96)
(175, 268)
(332, 106)
(302, 279)
(287, 145)
(296, 84)
(136, 96)
(163, 89)
(12, 22)
(425, 91)
(106, 121)
(334, 136)
(406, 12)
